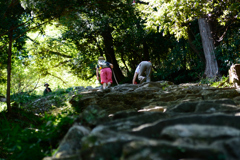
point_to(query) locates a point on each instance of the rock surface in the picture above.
(154, 121)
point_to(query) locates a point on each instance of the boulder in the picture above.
(70, 146)
(156, 120)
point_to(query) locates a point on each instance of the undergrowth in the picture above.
(25, 135)
(222, 82)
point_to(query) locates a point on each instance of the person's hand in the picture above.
(111, 65)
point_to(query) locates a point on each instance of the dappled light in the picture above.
(167, 83)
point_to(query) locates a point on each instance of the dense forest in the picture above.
(59, 41)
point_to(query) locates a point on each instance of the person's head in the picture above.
(101, 58)
(46, 84)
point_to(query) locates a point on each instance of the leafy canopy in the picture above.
(174, 16)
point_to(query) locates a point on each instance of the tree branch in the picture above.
(59, 64)
(25, 33)
(35, 85)
(141, 2)
(224, 33)
(57, 77)
(16, 27)
(60, 54)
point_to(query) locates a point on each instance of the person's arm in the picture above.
(97, 73)
(134, 78)
(135, 75)
(111, 65)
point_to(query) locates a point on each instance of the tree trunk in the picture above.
(98, 46)
(211, 69)
(110, 55)
(9, 66)
(123, 61)
(184, 59)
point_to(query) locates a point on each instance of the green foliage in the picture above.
(52, 103)
(227, 52)
(24, 135)
(180, 65)
(50, 53)
(208, 81)
(94, 36)
(222, 83)
(12, 139)
(76, 47)
(175, 16)
(23, 98)
(12, 17)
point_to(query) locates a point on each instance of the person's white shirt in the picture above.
(137, 69)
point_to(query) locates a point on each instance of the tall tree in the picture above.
(11, 29)
(15, 23)
(175, 17)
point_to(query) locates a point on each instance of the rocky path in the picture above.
(154, 121)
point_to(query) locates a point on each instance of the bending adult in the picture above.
(144, 68)
(105, 72)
